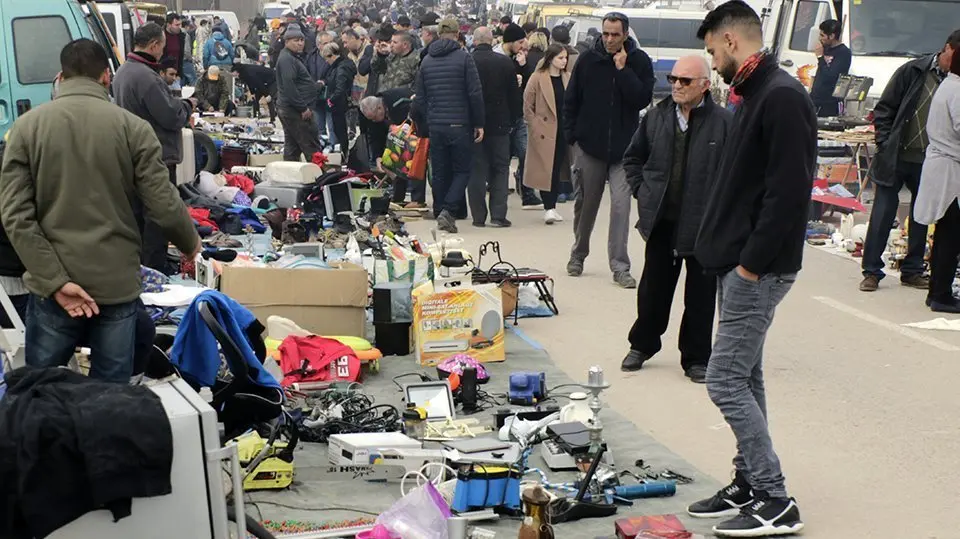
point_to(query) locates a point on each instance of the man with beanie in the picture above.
(296, 95)
(503, 104)
(448, 89)
(139, 89)
(609, 87)
(514, 45)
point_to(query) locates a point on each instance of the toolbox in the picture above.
(283, 195)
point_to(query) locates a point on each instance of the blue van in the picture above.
(32, 33)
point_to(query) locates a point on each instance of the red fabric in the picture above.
(319, 159)
(239, 180)
(329, 360)
(202, 216)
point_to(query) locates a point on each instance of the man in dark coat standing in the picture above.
(448, 89)
(297, 93)
(611, 83)
(900, 122)
(670, 165)
(504, 106)
(752, 237)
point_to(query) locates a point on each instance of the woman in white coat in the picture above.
(940, 188)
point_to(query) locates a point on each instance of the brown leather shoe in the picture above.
(921, 282)
(870, 283)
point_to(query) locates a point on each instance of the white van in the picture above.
(121, 21)
(275, 10)
(228, 17)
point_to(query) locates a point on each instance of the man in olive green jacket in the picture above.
(72, 170)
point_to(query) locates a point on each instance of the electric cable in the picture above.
(308, 508)
(419, 474)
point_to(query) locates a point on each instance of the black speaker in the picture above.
(468, 389)
(392, 302)
(394, 338)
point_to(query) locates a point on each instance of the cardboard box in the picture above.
(459, 321)
(327, 302)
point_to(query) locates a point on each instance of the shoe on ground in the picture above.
(920, 282)
(763, 518)
(575, 267)
(501, 223)
(634, 361)
(624, 279)
(726, 502)
(552, 216)
(479, 224)
(870, 283)
(951, 307)
(697, 374)
(446, 222)
(415, 205)
(532, 203)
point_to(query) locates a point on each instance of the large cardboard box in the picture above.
(459, 321)
(327, 302)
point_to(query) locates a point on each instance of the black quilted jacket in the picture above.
(448, 87)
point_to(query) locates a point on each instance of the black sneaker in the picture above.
(501, 223)
(764, 517)
(726, 502)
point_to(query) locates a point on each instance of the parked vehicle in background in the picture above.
(32, 35)
(275, 10)
(121, 21)
(228, 17)
(885, 34)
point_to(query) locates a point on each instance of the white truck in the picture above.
(882, 34)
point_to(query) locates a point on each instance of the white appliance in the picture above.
(196, 508)
(355, 449)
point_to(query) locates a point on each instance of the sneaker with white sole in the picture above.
(764, 517)
(552, 216)
(726, 502)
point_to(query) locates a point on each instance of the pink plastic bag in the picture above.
(421, 514)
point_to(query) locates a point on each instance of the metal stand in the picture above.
(595, 385)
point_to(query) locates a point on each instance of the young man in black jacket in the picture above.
(611, 83)
(448, 90)
(297, 95)
(752, 237)
(503, 104)
(670, 164)
(900, 121)
(833, 60)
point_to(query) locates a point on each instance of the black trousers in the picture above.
(943, 256)
(661, 271)
(153, 252)
(418, 190)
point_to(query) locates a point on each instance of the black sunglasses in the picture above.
(684, 81)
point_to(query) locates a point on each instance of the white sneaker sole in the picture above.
(533, 207)
(763, 531)
(732, 512)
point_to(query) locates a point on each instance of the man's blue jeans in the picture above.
(189, 74)
(451, 160)
(885, 205)
(52, 337)
(735, 372)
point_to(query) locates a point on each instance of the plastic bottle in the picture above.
(206, 394)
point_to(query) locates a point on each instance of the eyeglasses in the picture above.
(684, 81)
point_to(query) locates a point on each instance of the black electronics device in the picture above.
(394, 338)
(468, 389)
(533, 414)
(573, 437)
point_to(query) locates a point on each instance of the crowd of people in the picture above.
(724, 194)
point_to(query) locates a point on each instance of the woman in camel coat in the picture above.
(548, 154)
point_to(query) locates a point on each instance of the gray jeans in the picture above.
(590, 175)
(299, 136)
(735, 372)
(490, 174)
